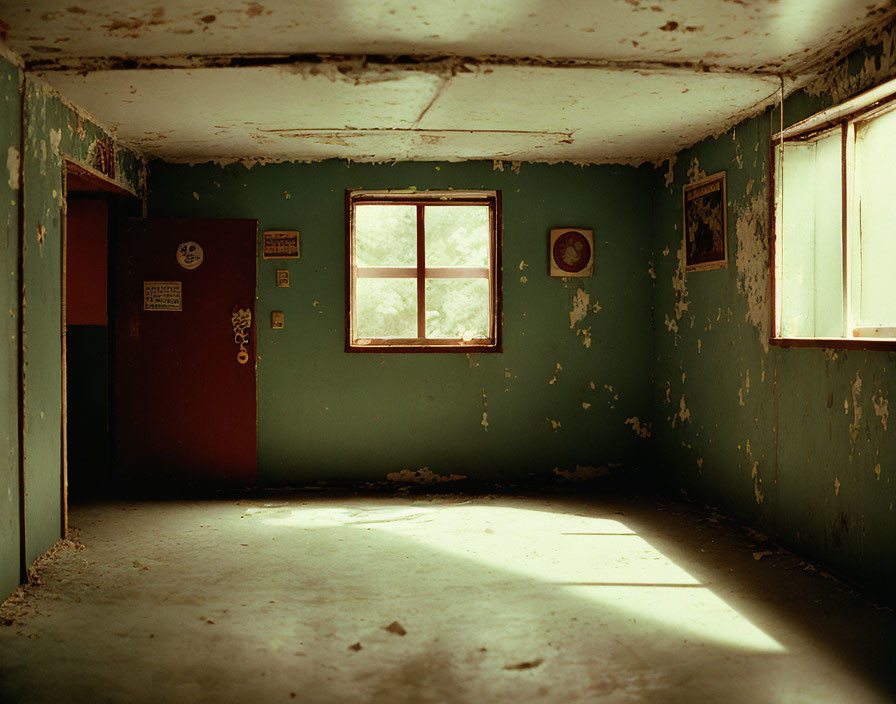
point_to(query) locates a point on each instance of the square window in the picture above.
(423, 271)
(834, 249)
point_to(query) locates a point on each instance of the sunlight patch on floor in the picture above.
(598, 559)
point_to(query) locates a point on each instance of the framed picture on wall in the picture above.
(706, 224)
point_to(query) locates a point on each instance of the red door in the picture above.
(185, 353)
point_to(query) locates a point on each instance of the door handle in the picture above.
(241, 319)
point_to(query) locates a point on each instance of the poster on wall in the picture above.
(281, 244)
(162, 295)
(706, 224)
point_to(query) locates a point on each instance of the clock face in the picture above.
(571, 252)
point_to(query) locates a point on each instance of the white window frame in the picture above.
(845, 118)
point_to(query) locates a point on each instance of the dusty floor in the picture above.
(376, 599)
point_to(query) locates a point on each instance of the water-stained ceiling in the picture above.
(524, 80)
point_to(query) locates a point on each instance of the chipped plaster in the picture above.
(881, 408)
(752, 264)
(13, 166)
(581, 473)
(424, 475)
(642, 430)
(856, 392)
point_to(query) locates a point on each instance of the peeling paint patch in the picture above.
(744, 390)
(556, 372)
(695, 173)
(424, 475)
(752, 264)
(679, 283)
(55, 140)
(856, 390)
(581, 306)
(670, 324)
(484, 422)
(836, 486)
(684, 413)
(580, 473)
(586, 405)
(756, 481)
(580, 303)
(841, 83)
(651, 272)
(877, 471)
(642, 430)
(881, 408)
(586, 335)
(670, 171)
(555, 424)
(13, 164)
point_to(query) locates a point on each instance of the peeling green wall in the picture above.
(10, 145)
(53, 132)
(327, 415)
(788, 440)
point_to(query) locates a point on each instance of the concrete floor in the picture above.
(492, 600)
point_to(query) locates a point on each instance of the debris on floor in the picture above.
(528, 665)
(356, 647)
(396, 628)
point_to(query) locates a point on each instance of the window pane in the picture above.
(386, 307)
(810, 254)
(385, 235)
(456, 235)
(457, 308)
(875, 156)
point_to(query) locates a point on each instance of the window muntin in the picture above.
(834, 248)
(451, 300)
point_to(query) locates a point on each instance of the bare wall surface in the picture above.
(53, 132)
(10, 145)
(793, 441)
(567, 391)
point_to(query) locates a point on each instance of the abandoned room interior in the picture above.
(516, 350)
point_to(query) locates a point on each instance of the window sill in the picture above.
(845, 343)
(411, 348)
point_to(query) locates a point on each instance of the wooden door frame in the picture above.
(118, 199)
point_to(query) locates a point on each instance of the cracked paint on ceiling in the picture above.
(625, 81)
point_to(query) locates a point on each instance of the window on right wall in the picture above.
(834, 252)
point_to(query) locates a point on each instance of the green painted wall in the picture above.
(53, 132)
(327, 415)
(10, 145)
(787, 440)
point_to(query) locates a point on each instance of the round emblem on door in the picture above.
(189, 255)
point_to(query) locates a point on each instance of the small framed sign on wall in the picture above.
(571, 252)
(281, 244)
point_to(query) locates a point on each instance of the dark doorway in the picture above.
(93, 206)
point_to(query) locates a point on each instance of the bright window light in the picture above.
(834, 216)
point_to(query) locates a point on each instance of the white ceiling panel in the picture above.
(526, 80)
